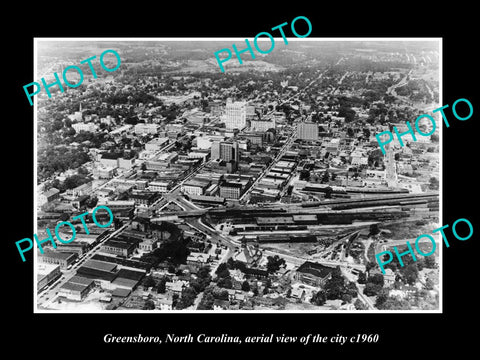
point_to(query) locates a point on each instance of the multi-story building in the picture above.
(46, 274)
(313, 274)
(205, 141)
(255, 138)
(159, 186)
(103, 172)
(225, 150)
(307, 131)
(148, 245)
(84, 127)
(75, 247)
(142, 128)
(250, 111)
(48, 196)
(118, 247)
(231, 190)
(64, 259)
(84, 189)
(143, 198)
(109, 160)
(156, 144)
(235, 116)
(198, 259)
(195, 186)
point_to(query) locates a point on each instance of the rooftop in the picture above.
(315, 269)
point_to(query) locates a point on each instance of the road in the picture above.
(402, 82)
(216, 264)
(299, 260)
(361, 295)
(282, 151)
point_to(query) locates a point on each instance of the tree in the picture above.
(374, 230)
(225, 282)
(371, 289)
(370, 265)
(347, 298)
(161, 286)
(328, 192)
(429, 284)
(82, 171)
(245, 286)
(325, 177)
(350, 132)
(335, 286)
(359, 305)
(304, 175)
(433, 183)
(222, 271)
(376, 279)
(382, 296)
(393, 303)
(91, 202)
(149, 305)
(430, 262)
(204, 272)
(366, 133)
(274, 263)
(222, 267)
(362, 278)
(319, 298)
(148, 281)
(187, 299)
(207, 301)
(410, 274)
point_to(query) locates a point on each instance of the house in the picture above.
(221, 304)
(298, 293)
(48, 196)
(198, 259)
(176, 287)
(148, 245)
(388, 277)
(164, 302)
(249, 255)
(240, 297)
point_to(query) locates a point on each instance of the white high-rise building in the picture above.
(307, 131)
(235, 115)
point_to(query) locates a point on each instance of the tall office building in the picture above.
(225, 150)
(235, 115)
(307, 131)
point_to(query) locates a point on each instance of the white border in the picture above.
(279, 312)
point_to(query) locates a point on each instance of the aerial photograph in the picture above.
(260, 188)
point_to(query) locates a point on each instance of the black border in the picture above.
(403, 333)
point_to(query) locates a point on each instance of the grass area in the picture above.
(408, 229)
(291, 249)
